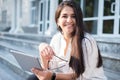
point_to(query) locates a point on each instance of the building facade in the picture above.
(102, 17)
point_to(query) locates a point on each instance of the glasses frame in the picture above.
(60, 59)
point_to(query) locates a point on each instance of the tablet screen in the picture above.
(26, 62)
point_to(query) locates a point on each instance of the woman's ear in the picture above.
(58, 26)
(57, 22)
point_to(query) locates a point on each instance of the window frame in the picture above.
(101, 18)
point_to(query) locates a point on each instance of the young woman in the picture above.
(72, 54)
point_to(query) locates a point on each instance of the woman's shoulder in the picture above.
(89, 37)
(58, 35)
(55, 41)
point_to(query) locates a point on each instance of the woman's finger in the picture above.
(50, 50)
(37, 71)
(42, 46)
(42, 75)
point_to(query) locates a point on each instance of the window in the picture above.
(110, 21)
(91, 26)
(33, 12)
(41, 28)
(60, 1)
(47, 15)
(48, 10)
(119, 26)
(90, 8)
(41, 11)
(90, 13)
(108, 26)
(102, 17)
(41, 17)
(44, 15)
(109, 7)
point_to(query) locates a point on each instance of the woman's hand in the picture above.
(47, 75)
(41, 74)
(46, 54)
(46, 51)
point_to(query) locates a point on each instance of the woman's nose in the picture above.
(69, 19)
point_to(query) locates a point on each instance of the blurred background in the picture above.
(24, 24)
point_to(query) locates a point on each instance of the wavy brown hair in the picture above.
(77, 56)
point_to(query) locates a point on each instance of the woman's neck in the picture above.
(67, 39)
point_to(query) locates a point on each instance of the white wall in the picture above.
(25, 13)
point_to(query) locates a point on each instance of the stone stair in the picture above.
(8, 74)
(110, 50)
(29, 44)
(20, 43)
(9, 68)
(112, 75)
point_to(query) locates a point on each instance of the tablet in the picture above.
(25, 61)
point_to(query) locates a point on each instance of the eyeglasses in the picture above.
(60, 58)
(54, 62)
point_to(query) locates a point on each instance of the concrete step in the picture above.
(112, 75)
(13, 67)
(19, 45)
(33, 37)
(19, 42)
(7, 74)
(29, 46)
(9, 61)
(109, 46)
(110, 60)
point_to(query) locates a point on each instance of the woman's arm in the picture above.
(46, 54)
(90, 56)
(47, 75)
(44, 63)
(65, 76)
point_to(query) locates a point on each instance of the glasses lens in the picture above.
(57, 64)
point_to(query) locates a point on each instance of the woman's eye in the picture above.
(73, 16)
(64, 16)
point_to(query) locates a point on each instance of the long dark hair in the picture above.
(77, 56)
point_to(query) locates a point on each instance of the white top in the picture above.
(90, 57)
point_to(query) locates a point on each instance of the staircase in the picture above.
(110, 51)
(28, 43)
(9, 68)
(8, 74)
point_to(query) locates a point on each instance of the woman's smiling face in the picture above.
(67, 21)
